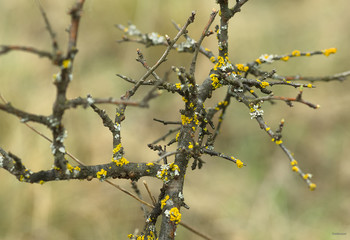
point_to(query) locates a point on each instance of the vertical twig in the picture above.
(199, 43)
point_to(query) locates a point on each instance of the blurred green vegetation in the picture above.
(264, 200)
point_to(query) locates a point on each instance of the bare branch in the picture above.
(55, 47)
(288, 100)
(75, 14)
(7, 48)
(85, 102)
(26, 117)
(199, 43)
(166, 122)
(162, 58)
(339, 77)
(237, 7)
(246, 83)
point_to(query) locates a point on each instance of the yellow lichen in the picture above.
(163, 201)
(264, 84)
(306, 176)
(329, 51)
(242, 68)
(69, 167)
(215, 81)
(175, 168)
(151, 236)
(101, 174)
(285, 58)
(295, 169)
(185, 120)
(175, 215)
(296, 53)
(278, 142)
(120, 162)
(312, 186)
(239, 163)
(178, 86)
(117, 148)
(77, 168)
(191, 105)
(177, 136)
(293, 162)
(66, 63)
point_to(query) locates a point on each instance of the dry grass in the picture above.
(264, 200)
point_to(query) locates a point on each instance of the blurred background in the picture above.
(264, 200)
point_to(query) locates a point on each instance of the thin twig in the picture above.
(237, 7)
(199, 43)
(49, 29)
(214, 153)
(339, 76)
(162, 58)
(128, 193)
(221, 117)
(73, 103)
(153, 93)
(194, 231)
(25, 116)
(40, 53)
(171, 131)
(206, 52)
(142, 60)
(288, 100)
(138, 192)
(165, 155)
(166, 122)
(75, 13)
(149, 192)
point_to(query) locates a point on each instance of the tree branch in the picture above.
(7, 48)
